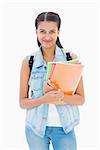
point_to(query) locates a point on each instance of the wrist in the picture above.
(43, 99)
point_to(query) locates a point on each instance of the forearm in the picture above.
(27, 103)
(73, 99)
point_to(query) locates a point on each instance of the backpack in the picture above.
(31, 60)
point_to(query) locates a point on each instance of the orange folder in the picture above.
(66, 77)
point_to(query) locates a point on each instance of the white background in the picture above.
(79, 32)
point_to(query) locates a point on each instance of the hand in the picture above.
(48, 87)
(54, 97)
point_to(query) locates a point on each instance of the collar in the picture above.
(39, 60)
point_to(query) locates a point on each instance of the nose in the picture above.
(47, 36)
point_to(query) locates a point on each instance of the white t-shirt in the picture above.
(53, 117)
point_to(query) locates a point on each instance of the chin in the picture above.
(48, 46)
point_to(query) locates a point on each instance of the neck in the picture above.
(48, 53)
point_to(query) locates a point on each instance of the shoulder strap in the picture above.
(67, 54)
(31, 59)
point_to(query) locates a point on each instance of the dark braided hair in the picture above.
(49, 16)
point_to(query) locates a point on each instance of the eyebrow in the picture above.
(45, 30)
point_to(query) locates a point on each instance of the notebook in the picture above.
(66, 76)
(51, 66)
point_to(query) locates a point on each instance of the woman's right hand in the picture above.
(54, 97)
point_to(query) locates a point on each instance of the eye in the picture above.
(52, 31)
(42, 31)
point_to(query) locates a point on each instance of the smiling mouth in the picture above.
(47, 41)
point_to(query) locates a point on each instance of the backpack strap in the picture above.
(31, 59)
(30, 62)
(67, 54)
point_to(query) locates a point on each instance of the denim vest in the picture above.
(36, 117)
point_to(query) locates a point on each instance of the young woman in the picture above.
(51, 114)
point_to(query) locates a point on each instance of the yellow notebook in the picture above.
(67, 76)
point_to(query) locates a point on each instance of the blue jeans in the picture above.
(60, 140)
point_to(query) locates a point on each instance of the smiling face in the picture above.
(47, 33)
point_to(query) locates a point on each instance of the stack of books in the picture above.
(65, 75)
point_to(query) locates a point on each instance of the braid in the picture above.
(58, 43)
